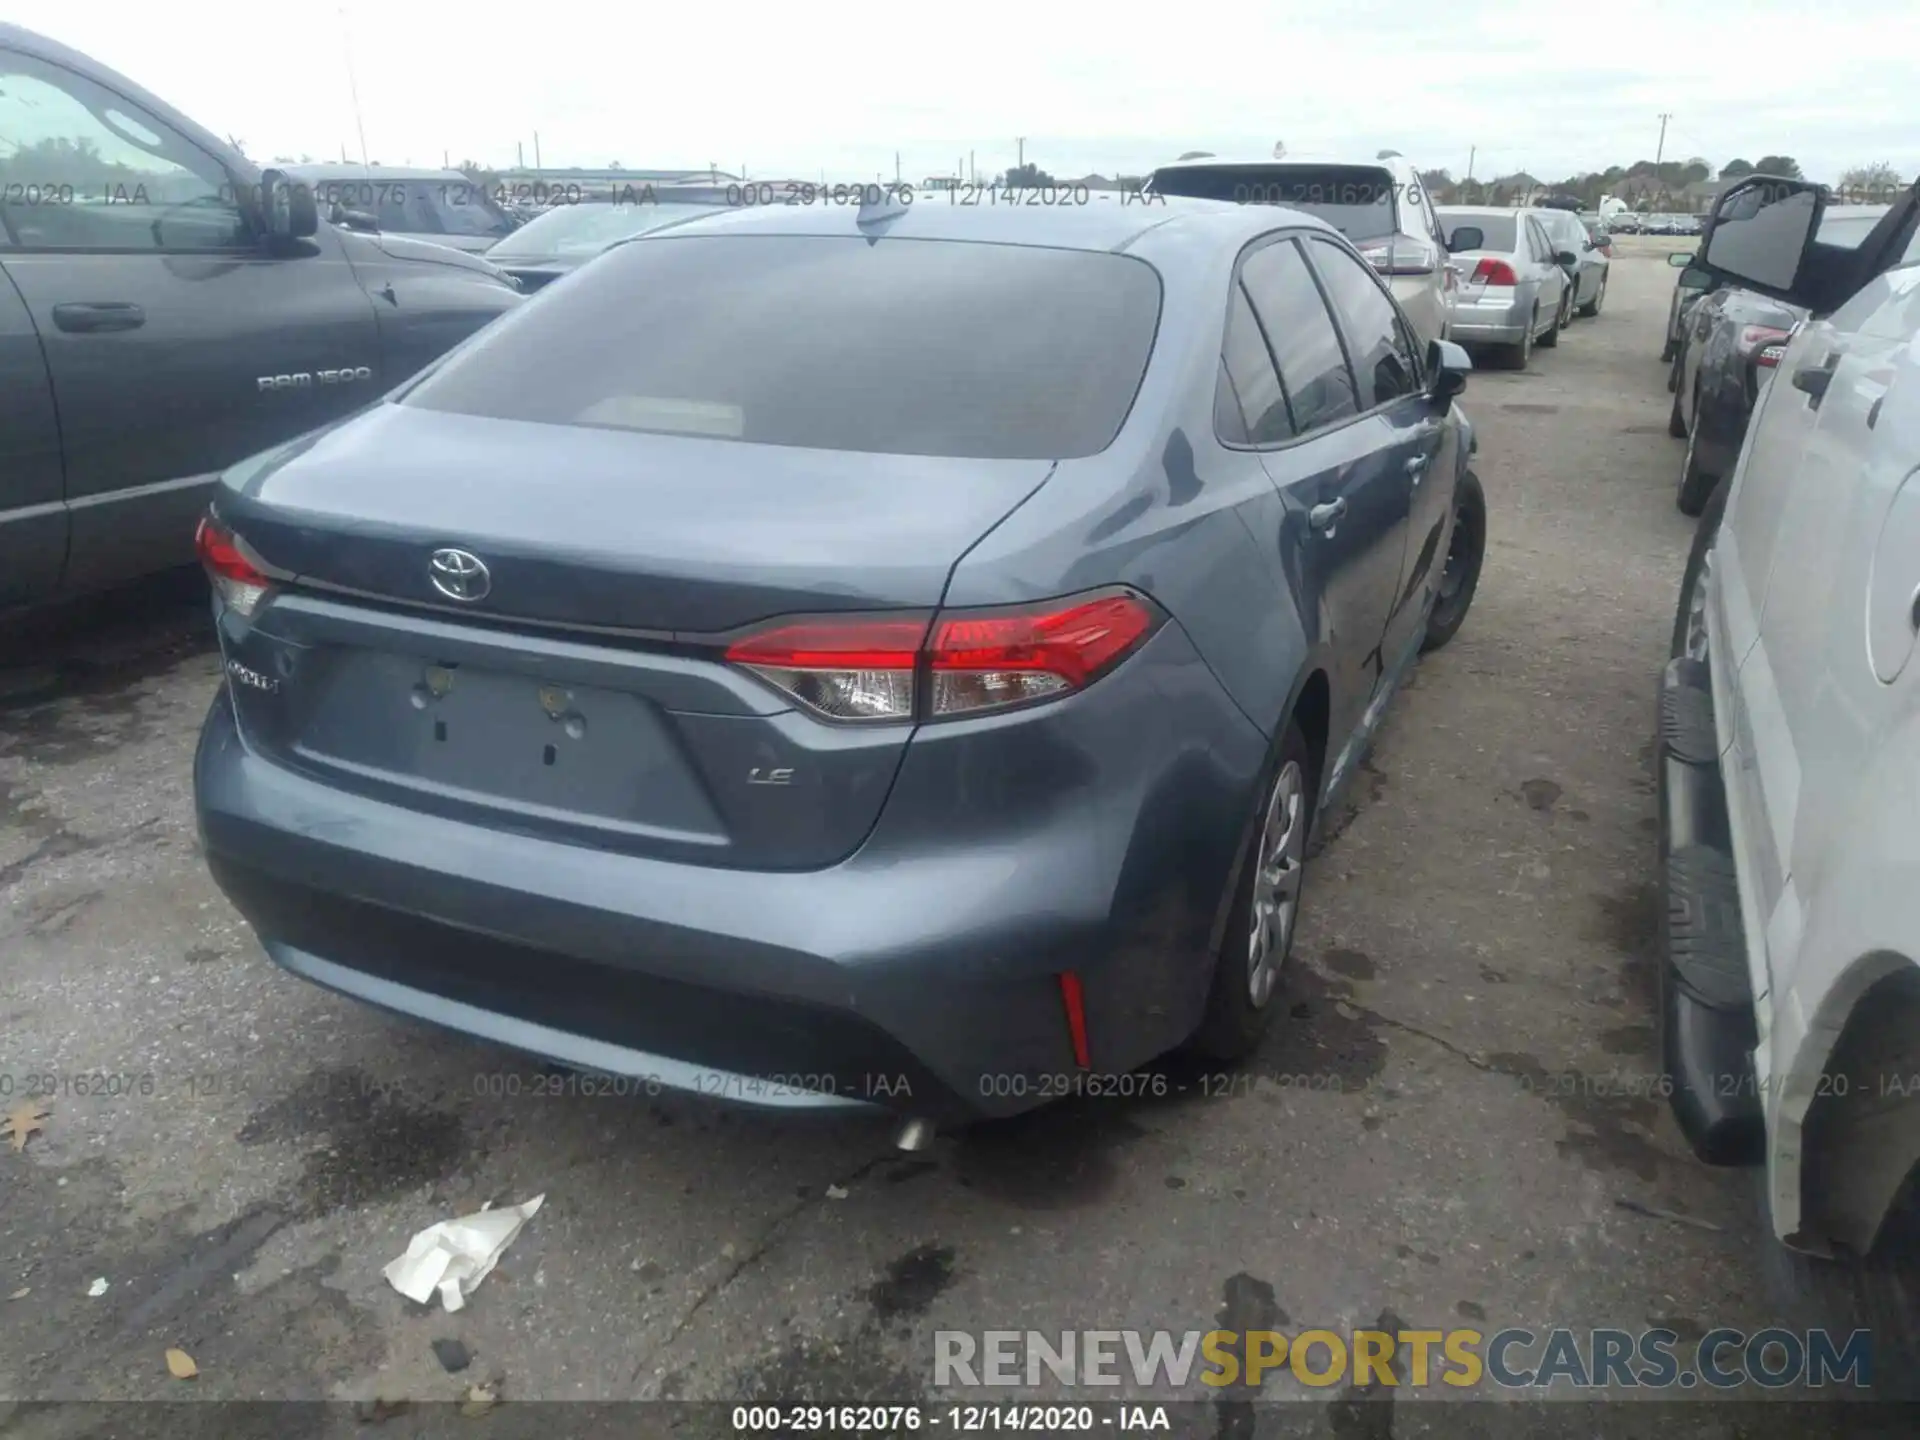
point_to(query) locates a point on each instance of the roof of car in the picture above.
(1485, 210)
(1066, 227)
(1372, 162)
(324, 171)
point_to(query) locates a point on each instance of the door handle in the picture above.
(1417, 467)
(1322, 517)
(94, 316)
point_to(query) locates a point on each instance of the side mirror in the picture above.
(290, 213)
(1680, 259)
(1447, 369)
(1760, 232)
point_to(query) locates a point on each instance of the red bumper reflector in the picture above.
(1076, 1017)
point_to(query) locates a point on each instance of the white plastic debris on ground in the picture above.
(453, 1256)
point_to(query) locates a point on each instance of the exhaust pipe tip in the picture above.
(915, 1135)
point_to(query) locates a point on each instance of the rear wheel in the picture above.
(1695, 484)
(1521, 351)
(1460, 575)
(1592, 307)
(1552, 337)
(1676, 418)
(1266, 908)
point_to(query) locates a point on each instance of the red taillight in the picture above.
(842, 669)
(1494, 272)
(869, 668)
(238, 581)
(1757, 340)
(981, 661)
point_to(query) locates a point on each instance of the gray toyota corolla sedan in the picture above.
(823, 657)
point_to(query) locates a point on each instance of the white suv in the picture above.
(1378, 204)
(1790, 742)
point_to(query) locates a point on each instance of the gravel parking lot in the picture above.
(1456, 1124)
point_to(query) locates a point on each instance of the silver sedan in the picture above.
(1512, 288)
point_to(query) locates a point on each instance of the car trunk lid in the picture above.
(583, 696)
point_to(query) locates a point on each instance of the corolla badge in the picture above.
(459, 575)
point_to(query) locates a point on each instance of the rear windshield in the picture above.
(588, 228)
(1497, 231)
(1357, 200)
(906, 347)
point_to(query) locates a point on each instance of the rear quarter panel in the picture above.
(1160, 509)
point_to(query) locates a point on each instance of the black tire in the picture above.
(1519, 353)
(1551, 339)
(1695, 484)
(1466, 550)
(1236, 1021)
(1676, 419)
(1592, 308)
(1703, 537)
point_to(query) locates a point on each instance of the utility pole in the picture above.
(973, 171)
(1021, 141)
(1472, 151)
(896, 167)
(1661, 150)
(519, 154)
(536, 153)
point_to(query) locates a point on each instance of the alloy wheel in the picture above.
(1280, 863)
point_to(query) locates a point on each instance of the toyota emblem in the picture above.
(459, 575)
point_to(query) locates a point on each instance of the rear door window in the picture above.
(1301, 333)
(1382, 362)
(1537, 238)
(910, 347)
(1261, 403)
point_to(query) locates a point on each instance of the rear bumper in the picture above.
(920, 975)
(1706, 995)
(1496, 316)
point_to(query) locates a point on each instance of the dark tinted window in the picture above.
(1496, 231)
(911, 347)
(1357, 200)
(1255, 382)
(82, 168)
(1302, 335)
(459, 207)
(1381, 360)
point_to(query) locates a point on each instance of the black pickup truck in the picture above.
(167, 309)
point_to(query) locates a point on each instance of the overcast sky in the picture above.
(798, 89)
